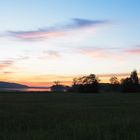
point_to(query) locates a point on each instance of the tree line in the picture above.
(91, 84)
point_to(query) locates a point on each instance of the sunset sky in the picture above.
(46, 40)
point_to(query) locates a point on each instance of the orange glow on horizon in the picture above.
(49, 80)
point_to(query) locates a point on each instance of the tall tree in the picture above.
(131, 84)
(114, 80)
(56, 83)
(87, 84)
(134, 77)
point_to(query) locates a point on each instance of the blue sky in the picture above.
(59, 39)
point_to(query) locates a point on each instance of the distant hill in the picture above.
(11, 85)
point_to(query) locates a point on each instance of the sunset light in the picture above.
(45, 40)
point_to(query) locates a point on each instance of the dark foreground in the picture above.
(50, 116)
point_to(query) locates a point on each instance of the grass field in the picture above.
(52, 116)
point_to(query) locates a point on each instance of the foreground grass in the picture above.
(47, 116)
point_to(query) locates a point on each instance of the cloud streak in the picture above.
(101, 53)
(133, 51)
(11, 61)
(92, 52)
(6, 63)
(51, 54)
(55, 31)
(96, 52)
(113, 74)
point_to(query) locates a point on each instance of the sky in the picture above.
(42, 41)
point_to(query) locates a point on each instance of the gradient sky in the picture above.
(46, 40)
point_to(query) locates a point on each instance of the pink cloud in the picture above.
(56, 31)
(95, 52)
(39, 35)
(5, 63)
(133, 51)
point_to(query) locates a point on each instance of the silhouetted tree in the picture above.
(58, 87)
(134, 77)
(56, 82)
(131, 84)
(114, 80)
(114, 83)
(74, 81)
(91, 79)
(122, 80)
(89, 84)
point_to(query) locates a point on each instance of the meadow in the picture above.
(69, 116)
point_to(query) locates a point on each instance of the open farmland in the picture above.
(56, 116)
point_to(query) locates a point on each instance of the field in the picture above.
(56, 116)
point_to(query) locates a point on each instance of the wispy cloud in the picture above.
(51, 54)
(8, 72)
(114, 74)
(96, 52)
(133, 51)
(11, 61)
(106, 52)
(55, 31)
(80, 23)
(5, 63)
(20, 58)
(92, 52)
